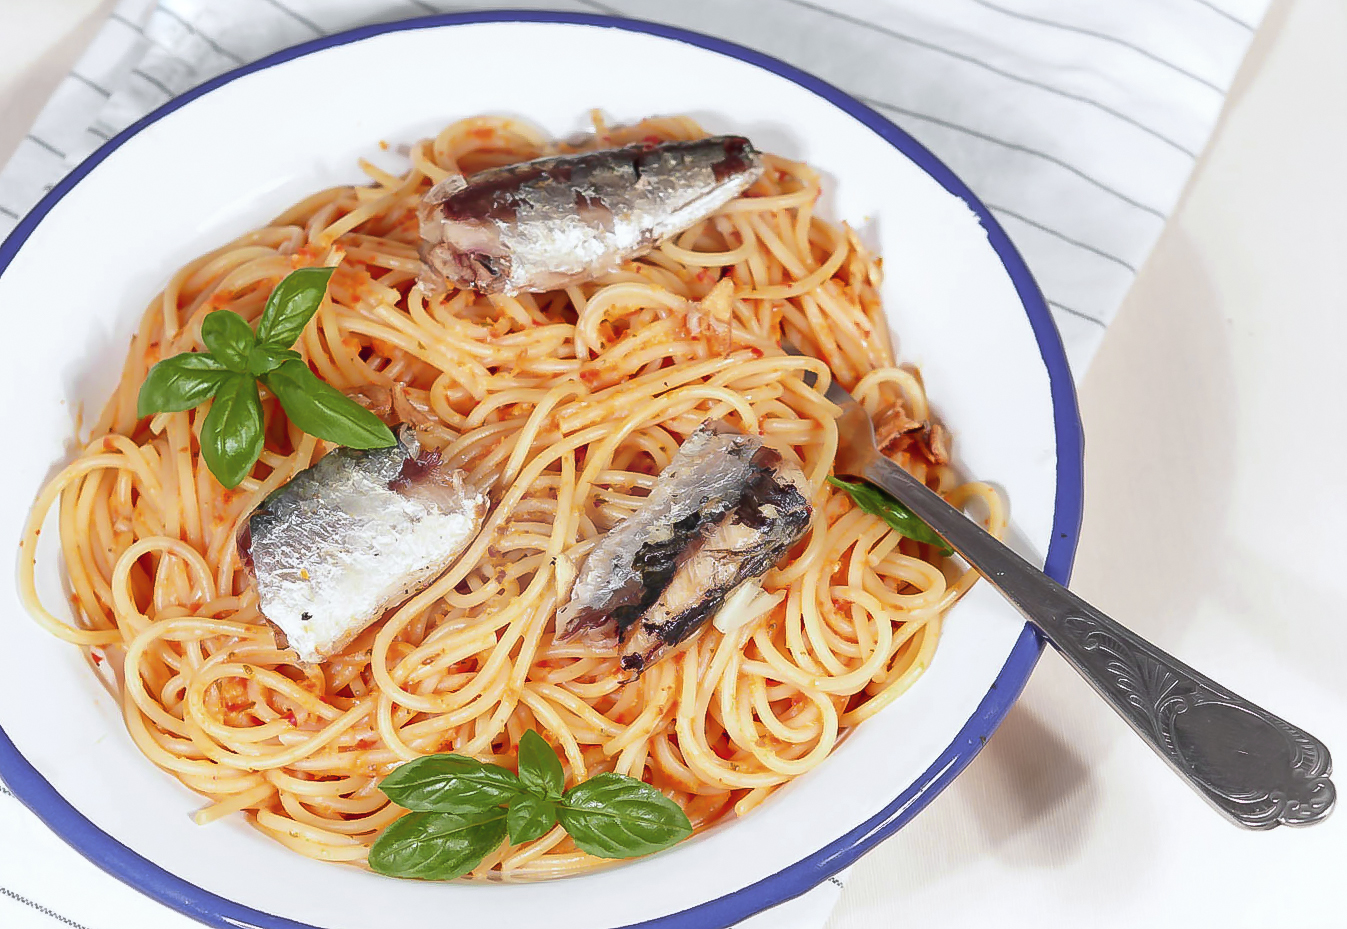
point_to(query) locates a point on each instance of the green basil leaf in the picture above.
(437, 846)
(263, 360)
(539, 767)
(180, 383)
(323, 411)
(615, 816)
(291, 306)
(232, 435)
(229, 338)
(450, 784)
(900, 519)
(530, 818)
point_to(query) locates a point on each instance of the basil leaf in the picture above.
(530, 818)
(180, 383)
(539, 767)
(229, 338)
(232, 435)
(323, 411)
(437, 846)
(450, 784)
(291, 306)
(263, 360)
(900, 519)
(615, 816)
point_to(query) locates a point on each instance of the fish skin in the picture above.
(562, 220)
(724, 511)
(771, 516)
(716, 462)
(352, 535)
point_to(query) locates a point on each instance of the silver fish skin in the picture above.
(562, 220)
(354, 534)
(771, 516)
(702, 482)
(725, 510)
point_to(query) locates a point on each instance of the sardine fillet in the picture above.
(562, 220)
(353, 535)
(700, 484)
(771, 516)
(724, 511)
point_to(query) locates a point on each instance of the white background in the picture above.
(1216, 482)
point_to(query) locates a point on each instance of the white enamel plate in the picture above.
(77, 273)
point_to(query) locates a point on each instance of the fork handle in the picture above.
(1255, 768)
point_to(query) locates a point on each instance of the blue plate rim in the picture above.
(35, 792)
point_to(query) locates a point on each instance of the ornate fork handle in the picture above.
(1256, 768)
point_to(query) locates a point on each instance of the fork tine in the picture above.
(836, 392)
(855, 432)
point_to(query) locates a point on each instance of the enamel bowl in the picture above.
(77, 272)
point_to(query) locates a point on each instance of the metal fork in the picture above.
(1255, 768)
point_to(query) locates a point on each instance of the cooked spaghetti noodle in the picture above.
(563, 406)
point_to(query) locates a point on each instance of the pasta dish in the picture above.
(565, 428)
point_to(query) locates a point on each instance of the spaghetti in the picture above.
(562, 406)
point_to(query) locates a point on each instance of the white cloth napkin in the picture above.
(1076, 123)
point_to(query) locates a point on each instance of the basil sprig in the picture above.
(236, 359)
(462, 809)
(877, 502)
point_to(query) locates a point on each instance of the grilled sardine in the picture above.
(353, 535)
(724, 511)
(772, 514)
(562, 220)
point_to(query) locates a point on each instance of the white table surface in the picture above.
(1216, 484)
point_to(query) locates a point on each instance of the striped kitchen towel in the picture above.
(1078, 123)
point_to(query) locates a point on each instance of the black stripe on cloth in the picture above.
(91, 84)
(423, 5)
(1016, 14)
(3, 789)
(18, 898)
(43, 143)
(1077, 313)
(1060, 235)
(1015, 147)
(100, 133)
(884, 30)
(153, 80)
(220, 49)
(126, 22)
(601, 8)
(297, 17)
(836, 882)
(12, 215)
(1220, 12)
